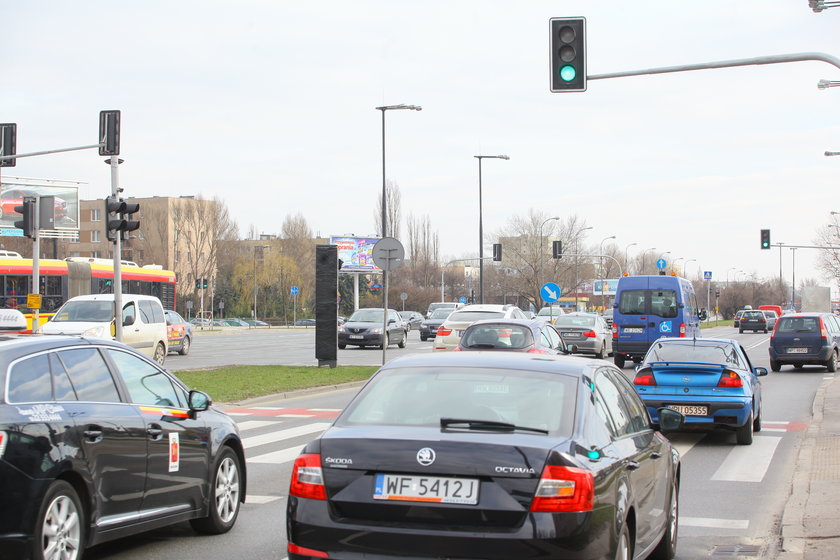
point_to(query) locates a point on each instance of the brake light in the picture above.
(308, 478)
(615, 330)
(730, 379)
(823, 332)
(564, 489)
(295, 549)
(3, 438)
(537, 351)
(456, 349)
(589, 334)
(443, 331)
(644, 379)
(682, 330)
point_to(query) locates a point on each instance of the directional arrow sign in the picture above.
(661, 264)
(550, 292)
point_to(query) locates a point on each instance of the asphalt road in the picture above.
(732, 496)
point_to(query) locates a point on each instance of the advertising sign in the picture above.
(356, 253)
(66, 203)
(604, 287)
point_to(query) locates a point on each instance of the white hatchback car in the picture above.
(449, 333)
(144, 324)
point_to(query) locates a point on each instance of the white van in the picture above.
(144, 324)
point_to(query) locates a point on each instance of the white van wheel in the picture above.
(160, 353)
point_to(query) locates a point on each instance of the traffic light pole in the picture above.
(36, 262)
(114, 162)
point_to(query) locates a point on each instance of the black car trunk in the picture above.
(398, 475)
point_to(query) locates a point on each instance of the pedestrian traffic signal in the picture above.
(497, 251)
(765, 239)
(557, 249)
(568, 54)
(27, 212)
(200, 283)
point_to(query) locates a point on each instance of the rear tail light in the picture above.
(823, 332)
(308, 478)
(590, 334)
(564, 489)
(537, 351)
(456, 349)
(615, 330)
(443, 331)
(730, 379)
(644, 378)
(682, 330)
(3, 438)
(295, 549)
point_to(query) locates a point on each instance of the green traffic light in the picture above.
(568, 73)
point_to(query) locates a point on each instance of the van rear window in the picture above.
(662, 303)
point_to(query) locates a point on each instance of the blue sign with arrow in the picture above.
(550, 292)
(661, 264)
(295, 290)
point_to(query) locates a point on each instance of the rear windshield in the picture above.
(546, 312)
(473, 316)
(753, 315)
(662, 303)
(690, 351)
(435, 306)
(798, 324)
(420, 396)
(575, 321)
(85, 312)
(503, 337)
(441, 313)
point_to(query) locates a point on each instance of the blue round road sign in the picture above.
(462, 299)
(661, 263)
(295, 290)
(550, 292)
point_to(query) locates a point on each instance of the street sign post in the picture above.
(388, 254)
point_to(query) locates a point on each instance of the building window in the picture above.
(95, 215)
(94, 236)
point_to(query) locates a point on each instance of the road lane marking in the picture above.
(254, 424)
(684, 442)
(277, 457)
(748, 463)
(280, 435)
(758, 343)
(257, 499)
(711, 523)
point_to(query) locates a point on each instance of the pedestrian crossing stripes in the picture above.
(275, 412)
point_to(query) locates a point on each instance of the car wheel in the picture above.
(160, 353)
(744, 434)
(385, 342)
(775, 366)
(619, 360)
(224, 496)
(342, 346)
(423, 338)
(765, 331)
(185, 346)
(402, 341)
(757, 422)
(60, 527)
(831, 364)
(667, 547)
(600, 353)
(741, 331)
(623, 547)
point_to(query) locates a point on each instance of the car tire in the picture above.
(757, 422)
(60, 524)
(224, 495)
(599, 355)
(744, 434)
(619, 360)
(775, 365)
(402, 341)
(423, 338)
(740, 331)
(667, 547)
(342, 346)
(765, 331)
(185, 346)
(160, 353)
(831, 364)
(623, 545)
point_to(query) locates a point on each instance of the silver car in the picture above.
(771, 318)
(590, 333)
(449, 333)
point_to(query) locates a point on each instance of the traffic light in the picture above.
(497, 251)
(8, 143)
(765, 239)
(557, 249)
(568, 54)
(118, 217)
(27, 212)
(200, 283)
(109, 133)
(129, 208)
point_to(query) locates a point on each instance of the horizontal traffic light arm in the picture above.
(759, 60)
(45, 152)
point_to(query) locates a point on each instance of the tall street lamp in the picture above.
(577, 262)
(727, 274)
(263, 247)
(540, 261)
(601, 254)
(481, 229)
(626, 265)
(686, 265)
(383, 109)
(643, 257)
(674, 264)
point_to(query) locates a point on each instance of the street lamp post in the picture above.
(727, 274)
(481, 229)
(674, 264)
(577, 262)
(601, 267)
(626, 264)
(829, 154)
(263, 247)
(643, 257)
(540, 261)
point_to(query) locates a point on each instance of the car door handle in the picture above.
(632, 465)
(155, 432)
(655, 455)
(93, 436)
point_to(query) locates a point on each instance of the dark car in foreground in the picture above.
(364, 328)
(430, 326)
(710, 381)
(487, 455)
(514, 335)
(805, 339)
(98, 442)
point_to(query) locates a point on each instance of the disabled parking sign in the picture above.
(665, 327)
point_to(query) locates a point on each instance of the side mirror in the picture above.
(703, 315)
(199, 401)
(760, 371)
(391, 321)
(670, 420)
(571, 349)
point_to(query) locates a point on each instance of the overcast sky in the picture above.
(270, 105)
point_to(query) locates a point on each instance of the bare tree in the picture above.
(423, 251)
(828, 260)
(393, 197)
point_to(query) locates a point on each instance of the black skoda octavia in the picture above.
(486, 455)
(97, 442)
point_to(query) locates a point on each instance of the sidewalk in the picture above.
(810, 527)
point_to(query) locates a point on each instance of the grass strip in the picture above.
(231, 384)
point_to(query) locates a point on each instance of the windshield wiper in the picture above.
(487, 425)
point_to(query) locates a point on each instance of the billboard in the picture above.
(604, 287)
(66, 203)
(356, 253)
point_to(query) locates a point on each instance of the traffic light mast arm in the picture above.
(759, 60)
(45, 152)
